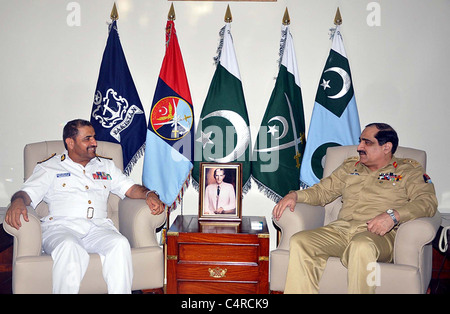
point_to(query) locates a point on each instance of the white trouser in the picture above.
(70, 240)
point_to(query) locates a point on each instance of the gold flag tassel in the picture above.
(285, 21)
(228, 19)
(337, 22)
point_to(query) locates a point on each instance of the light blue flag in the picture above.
(169, 143)
(335, 120)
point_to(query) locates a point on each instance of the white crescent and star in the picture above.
(273, 129)
(242, 132)
(347, 82)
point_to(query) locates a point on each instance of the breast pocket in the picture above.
(63, 181)
(64, 186)
(101, 184)
(393, 191)
(353, 187)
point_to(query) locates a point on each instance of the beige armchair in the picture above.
(409, 273)
(32, 269)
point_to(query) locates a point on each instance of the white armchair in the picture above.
(32, 269)
(409, 273)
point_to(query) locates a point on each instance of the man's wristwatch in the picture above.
(151, 191)
(390, 212)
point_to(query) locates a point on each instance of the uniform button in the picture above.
(63, 184)
(51, 218)
(87, 187)
(89, 202)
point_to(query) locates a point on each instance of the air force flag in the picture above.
(169, 149)
(335, 120)
(117, 114)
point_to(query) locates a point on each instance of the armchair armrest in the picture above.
(303, 217)
(28, 239)
(138, 224)
(412, 236)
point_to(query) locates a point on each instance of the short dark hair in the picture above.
(221, 169)
(71, 129)
(385, 134)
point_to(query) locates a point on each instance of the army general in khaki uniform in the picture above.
(379, 191)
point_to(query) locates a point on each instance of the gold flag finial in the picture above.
(171, 15)
(228, 16)
(338, 18)
(286, 18)
(114, 14)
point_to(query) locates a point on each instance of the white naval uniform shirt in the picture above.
(71, 190)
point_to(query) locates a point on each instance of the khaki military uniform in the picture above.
(401, 185)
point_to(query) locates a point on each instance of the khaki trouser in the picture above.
(350, 241)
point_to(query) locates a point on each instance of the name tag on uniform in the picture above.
(101, 176)
(63, 175)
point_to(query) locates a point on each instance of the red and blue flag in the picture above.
(169, 146)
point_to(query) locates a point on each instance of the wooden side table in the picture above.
(217, 257)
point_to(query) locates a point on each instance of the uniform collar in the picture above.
(65, 158)
(392, 163)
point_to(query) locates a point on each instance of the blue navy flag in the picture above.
(117, 113)
(335, 119)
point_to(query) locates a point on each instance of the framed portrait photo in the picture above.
(220, 191)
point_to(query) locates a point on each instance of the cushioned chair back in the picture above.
(336, 155)
(36, 152)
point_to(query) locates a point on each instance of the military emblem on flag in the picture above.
(117, 114)
(223, 133)
(169, 148)
(280, 143)
(335, 119)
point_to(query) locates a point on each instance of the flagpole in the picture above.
(171, 15)
(114, 14)
(228, 17)
(286, 19)
(338, 18)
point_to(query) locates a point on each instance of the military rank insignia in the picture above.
(389, 177)
(101, 176)
(427, 178)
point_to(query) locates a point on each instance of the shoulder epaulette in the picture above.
(46, 159)
(412, 162)
(353, 159)
(98, 156)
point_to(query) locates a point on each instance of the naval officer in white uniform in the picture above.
(76, 185)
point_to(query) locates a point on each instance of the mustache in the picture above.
(362, 152)
(92, 146)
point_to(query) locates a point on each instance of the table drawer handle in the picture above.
(217, 272)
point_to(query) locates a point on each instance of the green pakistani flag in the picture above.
(281, 138)
(223, 132)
